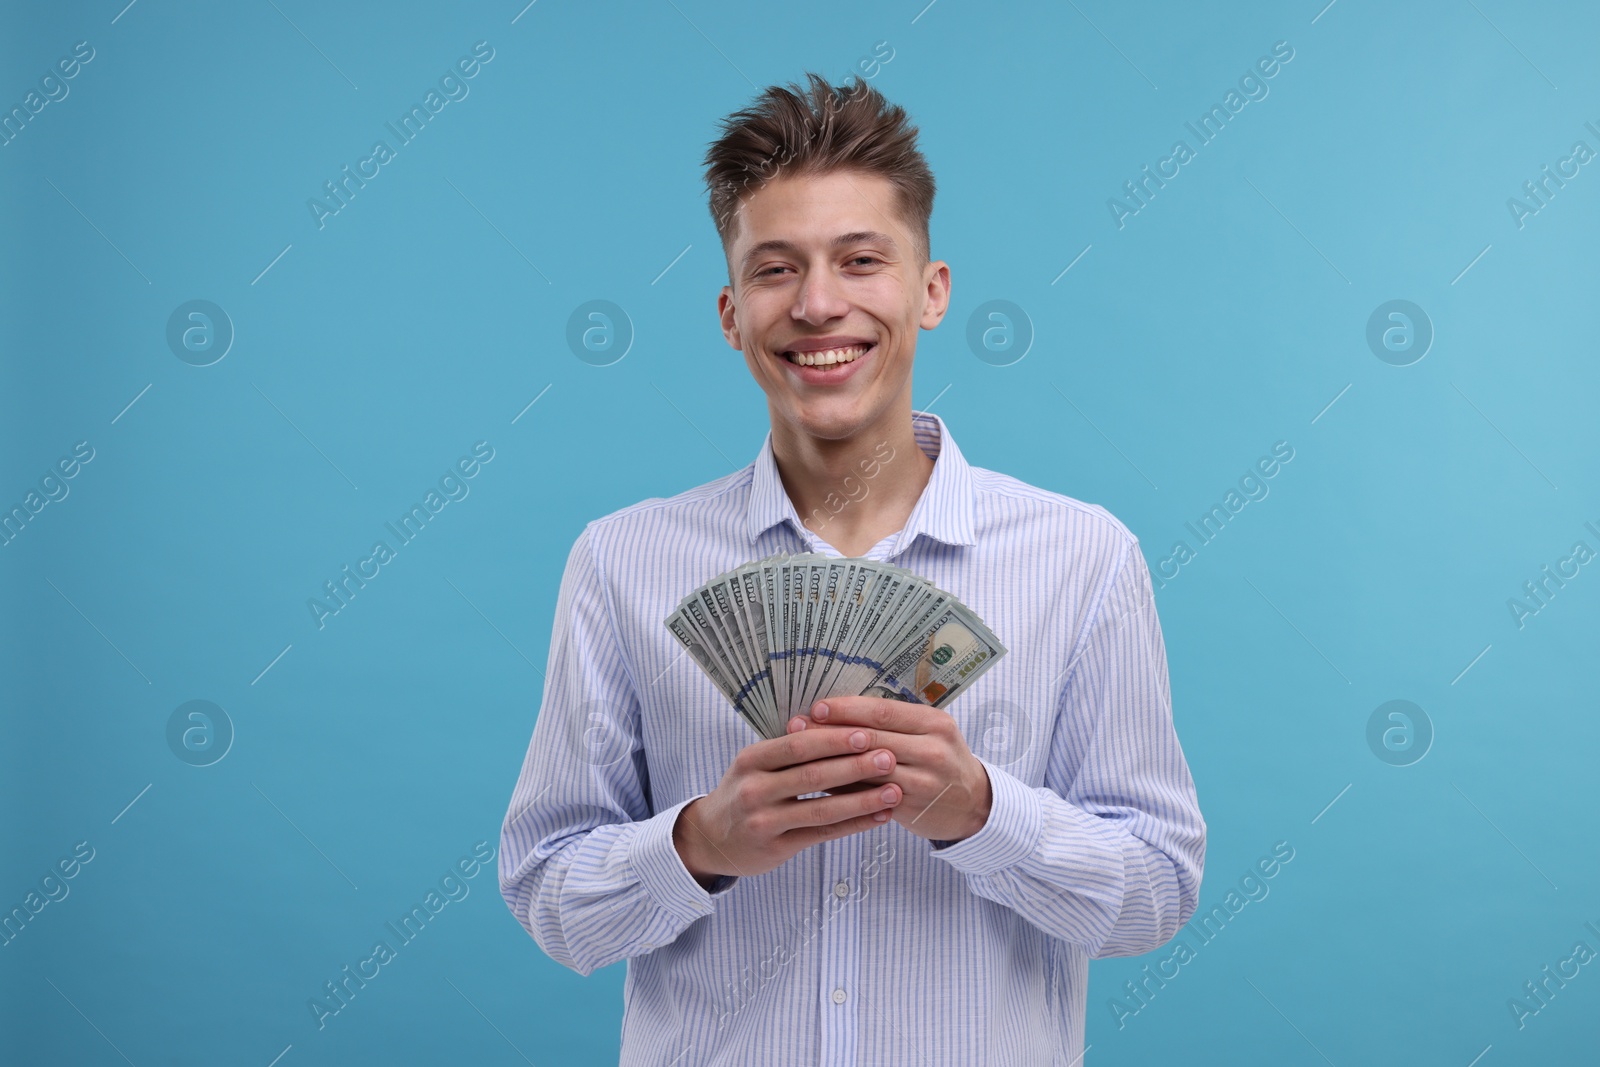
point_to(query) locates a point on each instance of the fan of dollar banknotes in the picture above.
(781, 633)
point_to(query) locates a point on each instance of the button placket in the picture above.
(839, 948)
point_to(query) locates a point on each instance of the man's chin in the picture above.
(832, 419)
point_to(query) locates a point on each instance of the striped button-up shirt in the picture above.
(882, 947)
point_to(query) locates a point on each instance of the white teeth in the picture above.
(828, 357)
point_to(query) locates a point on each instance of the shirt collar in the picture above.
(944, 512)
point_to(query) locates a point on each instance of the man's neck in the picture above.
(854, 492)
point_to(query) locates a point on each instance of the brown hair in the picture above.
(793, 132)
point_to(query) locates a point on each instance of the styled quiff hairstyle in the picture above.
(790, 132)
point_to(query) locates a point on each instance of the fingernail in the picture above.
(796, 725)
(880, 816)
(858, 740)
(883, 760)
(820, 713)
(888, 795)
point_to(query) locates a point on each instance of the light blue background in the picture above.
(429, 312)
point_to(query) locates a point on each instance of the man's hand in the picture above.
(947, 792)
(753, 820)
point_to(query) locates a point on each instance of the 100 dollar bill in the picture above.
(953, 650)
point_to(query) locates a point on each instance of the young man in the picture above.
(890, 883)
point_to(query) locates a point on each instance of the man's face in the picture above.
(824, 270)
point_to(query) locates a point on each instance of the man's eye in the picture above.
(864, 256)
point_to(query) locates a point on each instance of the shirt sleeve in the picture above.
(588, 869)
(1109, 853)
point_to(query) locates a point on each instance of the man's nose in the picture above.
(821, 297)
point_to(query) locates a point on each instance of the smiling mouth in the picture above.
(828, 357)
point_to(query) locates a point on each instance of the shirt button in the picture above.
(841, 888)
(838, 996)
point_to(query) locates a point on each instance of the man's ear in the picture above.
(937, 292)
(725, 317)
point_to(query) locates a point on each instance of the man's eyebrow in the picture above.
(780, 245)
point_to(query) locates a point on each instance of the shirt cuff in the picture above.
(660, 869)
(1016, 820)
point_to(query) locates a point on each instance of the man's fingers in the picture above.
(910, 749)
(855, 787)
(803, 746)
(830, 814)
(893, 715)
(815, 835)
(827, 774)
